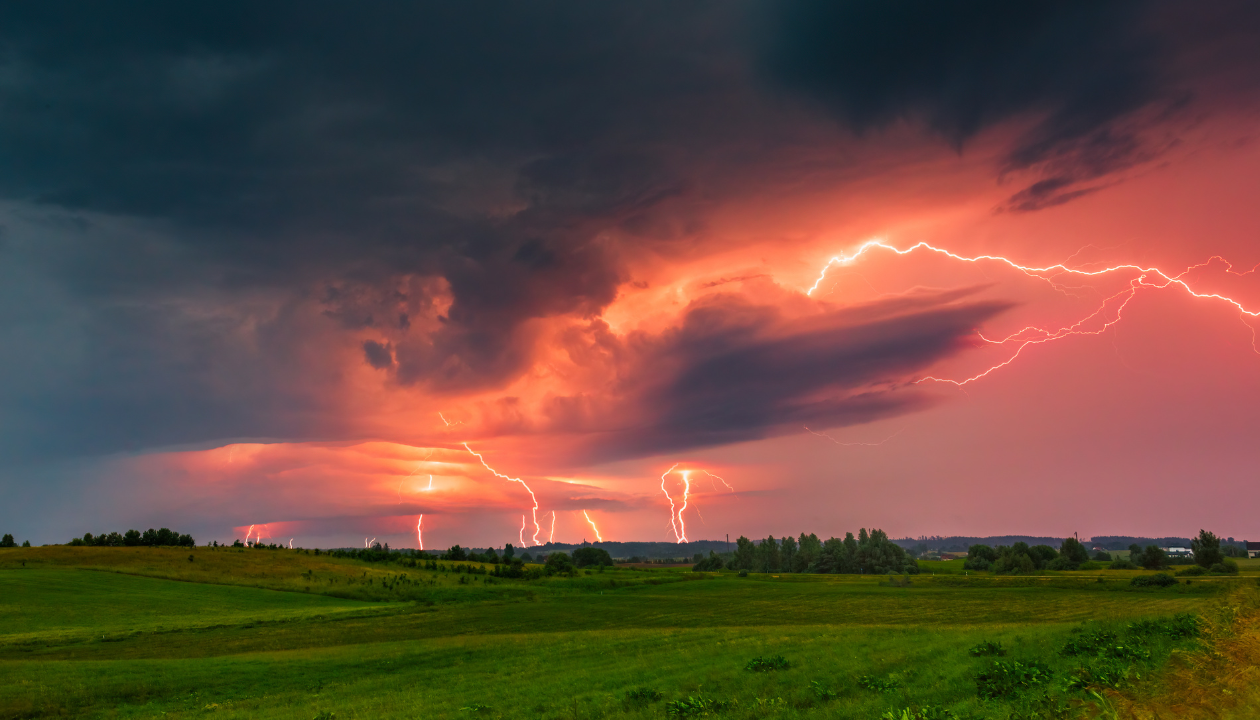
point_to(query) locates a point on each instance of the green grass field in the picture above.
(141, 632)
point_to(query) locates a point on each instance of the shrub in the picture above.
(1112, 674)
(926, 712)
(1089, 643)
(743, 573)
(1192, 570)
(885, 684)
(1224, 567)
(1089, 565)
(1003, 679)
(1122, 565)
(1181, 625)
(821, 692)
(642, 696)
(760, 664)
(987, 649)
(1156, 580)
(1102, 556)
(695, 706)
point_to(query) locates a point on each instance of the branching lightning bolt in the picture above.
(496, 473)
(598, 538)
(448, 422)
(1147, 278)
(368, 543)
(676, 515)
(248, 533)
(719, 477)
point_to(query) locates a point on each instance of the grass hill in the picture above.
(245, 633)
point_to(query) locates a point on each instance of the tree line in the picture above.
(868, 553)
(8, 541)
(1020, 558)
(164, 537)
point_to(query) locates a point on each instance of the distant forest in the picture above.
(961, 543)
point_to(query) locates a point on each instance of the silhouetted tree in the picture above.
(584, 556)
(7, 541)
(1207, 549)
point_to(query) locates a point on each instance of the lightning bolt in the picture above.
(719, 477)
(552, 536)
(592, 522)
(849, 444)
(247, 534)
(1146, 278)
(367, 543)
(419, 536)
(496, 473)
(448, 422)
(678, 526)
(290, 543)
(419, 465)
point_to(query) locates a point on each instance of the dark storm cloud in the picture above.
(202, 173)
(1093, 75)
(735, 370)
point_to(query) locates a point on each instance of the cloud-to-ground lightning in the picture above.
(598, 537)
(419, 535)
(552, 536)
(496, 473)
(290, 543)
(676, 514)
(368, 543)
(1146, 278)
(522, 535)
(248, 533)
(851, 444)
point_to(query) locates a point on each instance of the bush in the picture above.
(1156, 580)
(1111, 674)
(890, 683)
(760, 664)
(1102, 556)
(1224, 567)
(1089, 565)
(926, 712)
(1122, 565)
(642, 696)
(695, 706)
(821, 692)
(1004, 679)
(987, 649)
(1192, 570)
(559, 563)
(584, 556)
(1181, 625)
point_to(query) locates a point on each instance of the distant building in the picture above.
(1178, 552)
(1253, 549)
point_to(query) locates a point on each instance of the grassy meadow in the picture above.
(235, 633)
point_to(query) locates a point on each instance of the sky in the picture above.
(482, 273)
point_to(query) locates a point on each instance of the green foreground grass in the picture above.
(122, 632)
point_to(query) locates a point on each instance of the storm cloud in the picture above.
(201, 202)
